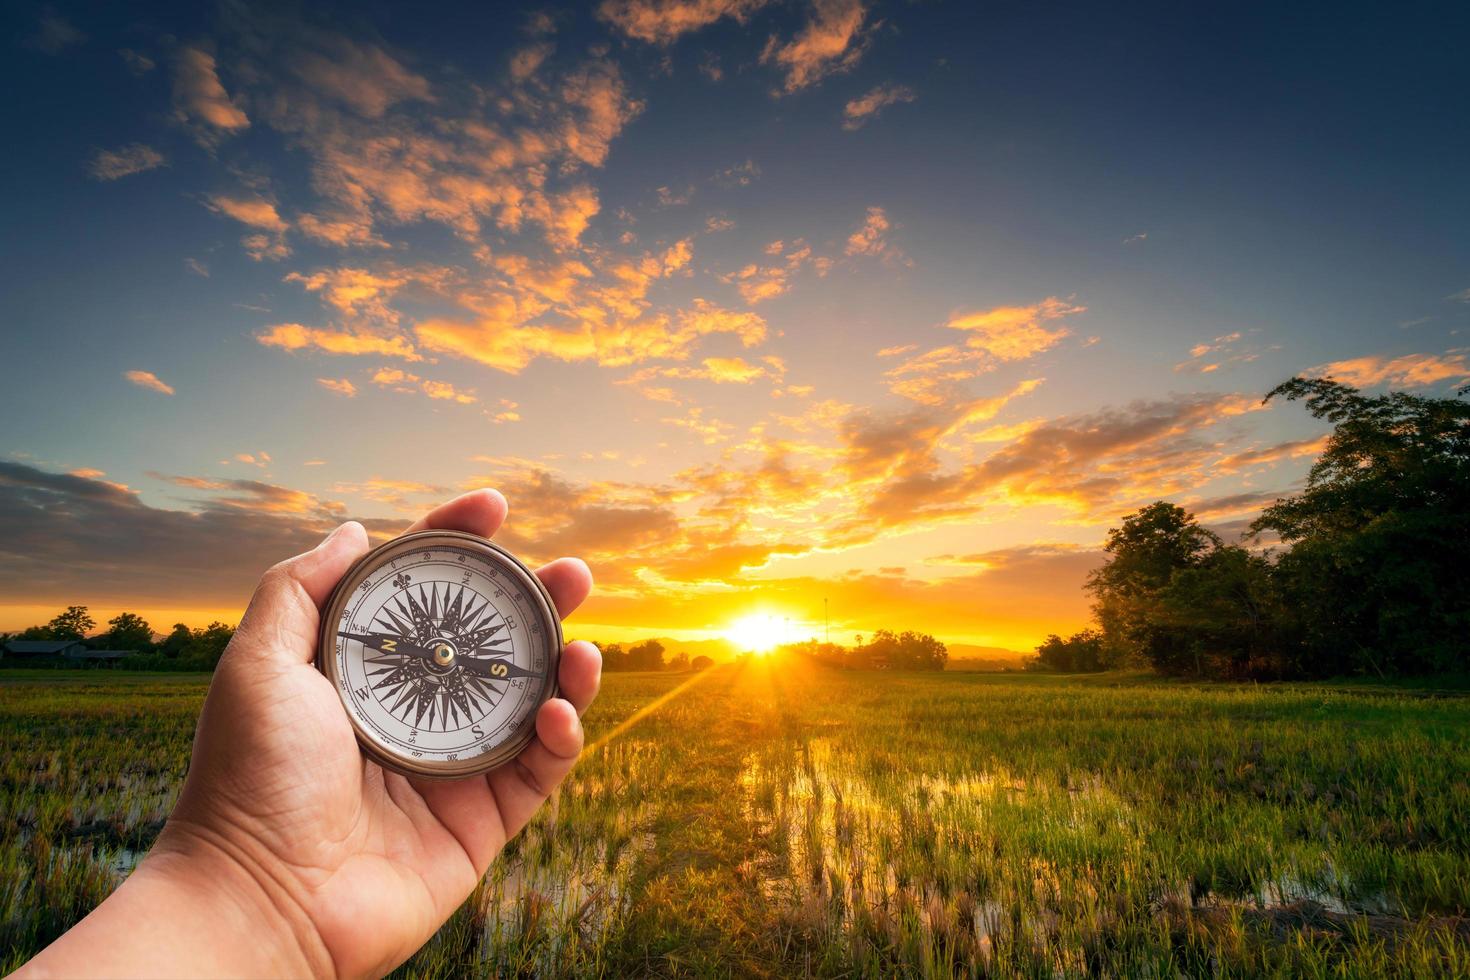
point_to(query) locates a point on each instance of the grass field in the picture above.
(779, 818)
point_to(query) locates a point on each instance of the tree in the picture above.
(129, 631)
(648, 655)
(680, 661)
(1376, 576)
(176, 642)
(614, 657)
(701, 662)
(74, 624)
(901, 651)
(1144, 555)
(1223, 615)
(1079, 653)
(207, 645)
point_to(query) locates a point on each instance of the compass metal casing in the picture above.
(542, 631)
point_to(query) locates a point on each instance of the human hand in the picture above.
(307, 856)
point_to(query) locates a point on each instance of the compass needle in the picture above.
(442, 646)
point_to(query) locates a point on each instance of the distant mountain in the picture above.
(967, 656)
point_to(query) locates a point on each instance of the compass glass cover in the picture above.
(441, 650)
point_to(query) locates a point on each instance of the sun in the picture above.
(758, 633)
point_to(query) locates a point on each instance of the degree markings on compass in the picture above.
(442, 698)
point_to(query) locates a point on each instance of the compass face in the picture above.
(442, 647)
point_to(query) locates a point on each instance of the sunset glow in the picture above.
(758, 633)
(798, 307)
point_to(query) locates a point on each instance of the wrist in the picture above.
(249, 914)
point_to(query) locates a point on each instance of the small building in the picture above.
(33, 649)
(103, 655)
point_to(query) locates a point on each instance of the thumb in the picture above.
(287, 602)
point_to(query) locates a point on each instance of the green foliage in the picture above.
(128, 631)
(1373, 578)
(1376, 575)
(74, 623)
(1080, 653)
(176, 642)
(1145, 555)
(648, 655)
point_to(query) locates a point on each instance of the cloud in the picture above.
(200, 99)
(149, 380)
(719, 370)
(67, 539)
(1013, 333)
(385, 147)
(1268, 455)
(1103, 462)
(340, 386)
(362, 77)
(871, 238)
(665, 21)
(137, 62)
(404, 382)
(295, 336)
(502, 341)
(669, 198)
(199, 269)
(54, 33)
(256, 212)
(758, 283)
(135, 158)
(1225, 350)
(737, 175)
(858, 111)
(253, 211)
(995, 336)
(831, 41)
(1406, 371)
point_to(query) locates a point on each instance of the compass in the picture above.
(442, 646)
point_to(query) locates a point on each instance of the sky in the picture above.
(762, 308)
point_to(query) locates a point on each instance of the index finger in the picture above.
(478, 512)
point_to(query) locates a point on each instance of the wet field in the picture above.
(779, 818)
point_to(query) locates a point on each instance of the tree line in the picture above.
(884, 650)
(1371, 574)
(181, 649)
(648, 655)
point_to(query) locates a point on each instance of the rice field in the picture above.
(779, 818)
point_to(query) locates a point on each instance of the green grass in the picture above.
(779, 818)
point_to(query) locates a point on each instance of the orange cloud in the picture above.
(665, 21)
(869, 239)
(200, 100)
(1268, 455)
(507, 345)
(1407, 371)
(256, 212)
(859, 110)
(135, 158)
(1013, 333)
(294, 336)
(402, 381)
(149, 380)
(340, 386)
(831, 41)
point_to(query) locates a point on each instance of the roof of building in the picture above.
(39, 646)
(100, 654)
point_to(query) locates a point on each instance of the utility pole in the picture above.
(826, 622)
